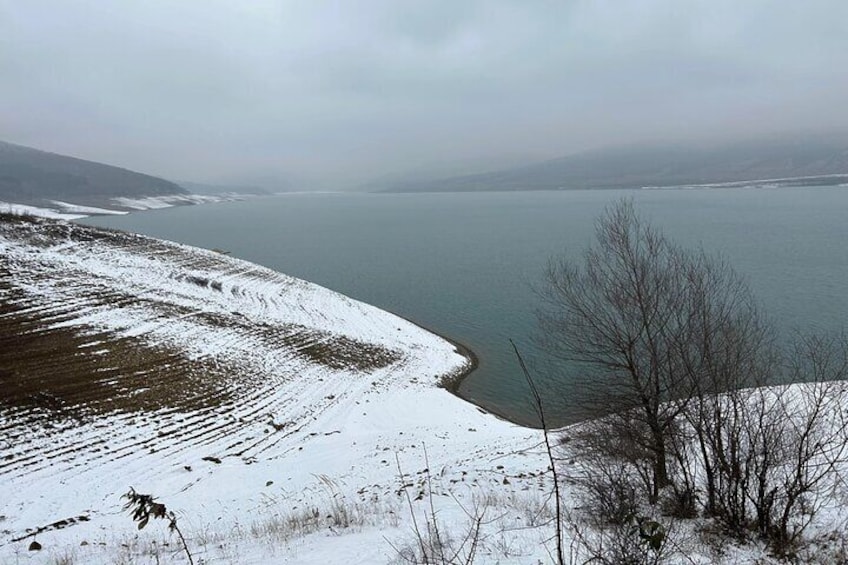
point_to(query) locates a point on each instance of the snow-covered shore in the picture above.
(57, 209)
(294, 424)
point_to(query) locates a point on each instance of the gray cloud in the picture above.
(343, 91)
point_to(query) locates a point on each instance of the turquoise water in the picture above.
(465, 265)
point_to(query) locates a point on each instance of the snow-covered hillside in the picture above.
(232, 392)
(58, 209)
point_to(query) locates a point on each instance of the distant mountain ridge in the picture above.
(636, 167)
(32, 176)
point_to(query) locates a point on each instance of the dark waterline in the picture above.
(465, 264)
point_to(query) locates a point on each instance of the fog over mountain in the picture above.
(792, 160)
(31, 176)
(338, 94)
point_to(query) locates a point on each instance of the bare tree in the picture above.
(628, 315)
(800, 469)
(678, 353)
(730, 348)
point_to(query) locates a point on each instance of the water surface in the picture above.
(465, 264)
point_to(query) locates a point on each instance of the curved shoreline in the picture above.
(312, 428)
(452, 382)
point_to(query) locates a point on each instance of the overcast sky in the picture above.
(215, 90)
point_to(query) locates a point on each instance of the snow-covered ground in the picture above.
(169, 201)
(291, 426)
(54, 213)
(57, 209)
(86, 210)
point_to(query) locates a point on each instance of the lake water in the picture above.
(465, 264)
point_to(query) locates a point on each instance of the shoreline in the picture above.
(450, 382)
(117, 206)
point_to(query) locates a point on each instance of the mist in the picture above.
(334, 94)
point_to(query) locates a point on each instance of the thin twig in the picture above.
(541, 412)
(411, 509)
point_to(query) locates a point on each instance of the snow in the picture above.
(115, 206)
(23, 209)
(348, 425)
(87, 210)
(171, 200)
(753, 183)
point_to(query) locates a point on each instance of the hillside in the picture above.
(31, 176)
(231, 391)
(636, 167)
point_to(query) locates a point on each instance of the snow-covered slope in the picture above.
(59, 209)
(231, 391)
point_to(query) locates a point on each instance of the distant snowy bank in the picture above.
(57, 209)
(783, 182)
